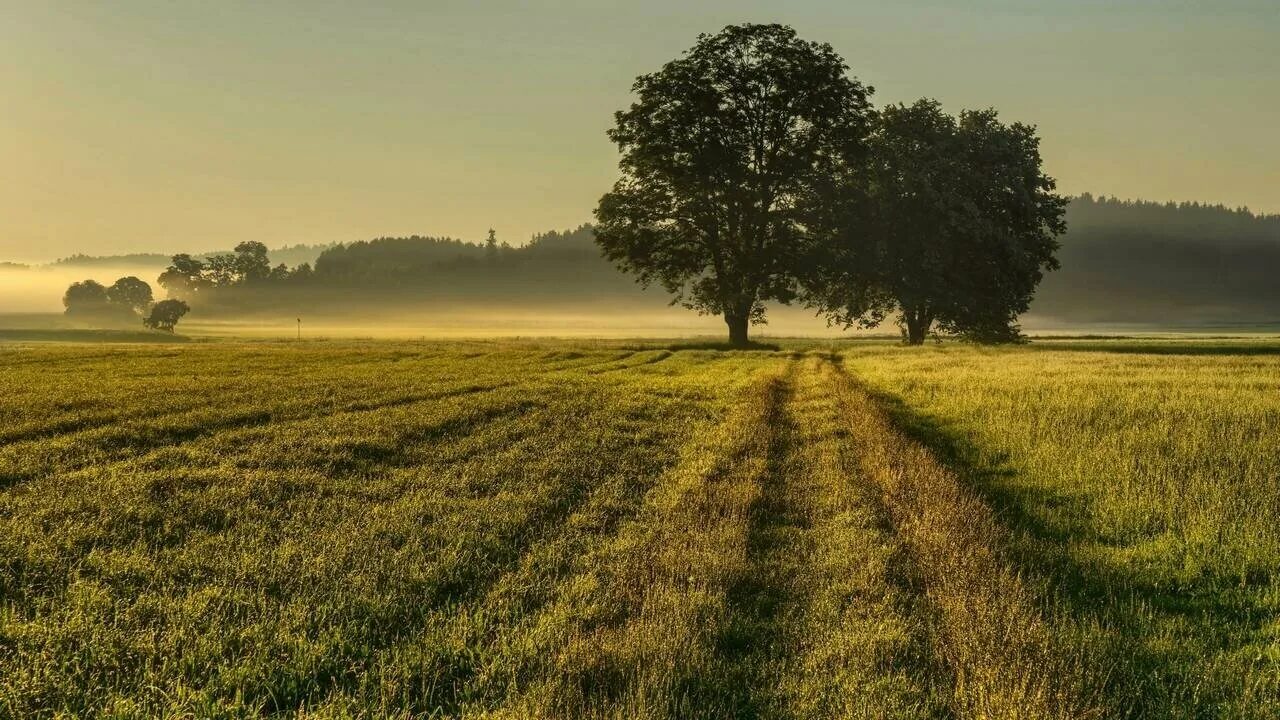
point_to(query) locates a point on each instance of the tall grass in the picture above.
(627, 530)
(1006, 660)
(1142, 483)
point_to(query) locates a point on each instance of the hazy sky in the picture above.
(183, 125)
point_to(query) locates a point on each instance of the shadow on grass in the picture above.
(1119, 611)
(90, 336)
(1171, 347)
(725, 346)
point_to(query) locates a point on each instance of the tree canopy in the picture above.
(954, 227)
(166, 314)
(86, 297)
(723, 153)
(130, 292)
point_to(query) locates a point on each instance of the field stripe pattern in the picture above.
(518, 530)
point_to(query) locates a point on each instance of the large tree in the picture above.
(953, 227)
(722, 154)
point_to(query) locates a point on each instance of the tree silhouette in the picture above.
(130, 292)
(955, 228)
(251, 264)
(722, 154)
(85, 298)
(491, 246)
(165, 315)
(184, 277)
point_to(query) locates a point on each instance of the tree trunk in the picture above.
(737, 323)
(918, 323)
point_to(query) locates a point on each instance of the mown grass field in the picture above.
(1069, 529)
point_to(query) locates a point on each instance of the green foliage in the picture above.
(130, 292)
(722, 153)
(955, 227)
(185, 276)
(124, 300)
(251, 263)
(85, 297)
(166, 314)
(1177, 264)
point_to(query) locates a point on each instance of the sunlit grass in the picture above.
(1142, 480)
(628, 530)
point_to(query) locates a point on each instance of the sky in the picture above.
(176, 125)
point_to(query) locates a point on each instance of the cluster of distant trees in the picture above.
(553, 261)
(289, 254)
(247, 265)
(127, 299)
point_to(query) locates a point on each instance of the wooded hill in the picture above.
(1127, 262)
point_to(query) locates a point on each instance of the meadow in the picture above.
(614, 529)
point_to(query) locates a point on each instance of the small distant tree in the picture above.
(130, 293)
(184, 277)
(491, 246)
(301, 273)
(166, 314)
(251, 263)
(222, 270)
(87, 297)
(723, 152)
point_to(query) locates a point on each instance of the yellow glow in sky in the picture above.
(168, 126)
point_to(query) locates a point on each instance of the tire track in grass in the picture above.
(546, 481)
(38, 459)
(61, 428)
(507, 628)
(583, 494)
(1006, 659)
(823, 624)
(634, 360)
(633, 634)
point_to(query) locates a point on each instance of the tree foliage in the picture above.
(723, 152)
(130, 292)
(185, 276)
(954, 228)
(166, 314)
(85, 298)
(249, 264)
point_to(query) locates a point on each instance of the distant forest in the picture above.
(289, 255)
(1166, 263)
(1124, 262)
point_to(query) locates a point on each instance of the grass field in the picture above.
(1068, 529)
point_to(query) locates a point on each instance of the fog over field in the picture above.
(39, 289)
(32, 298)
(1125, 266)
